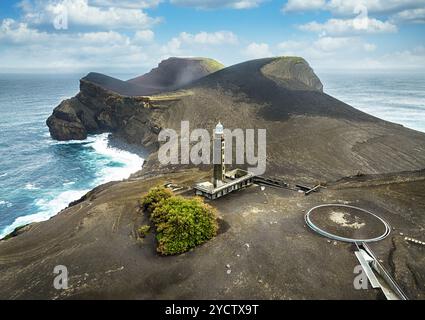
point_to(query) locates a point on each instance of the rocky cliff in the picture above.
(106, 104)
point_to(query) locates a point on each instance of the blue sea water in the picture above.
(40, 176)
(396, 97)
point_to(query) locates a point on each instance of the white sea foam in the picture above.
(3, 175)
(131, 162)
(5, 204)
(88, 140)
(30, 186)
(50, 207)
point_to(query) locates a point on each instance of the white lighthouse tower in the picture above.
(218, 156)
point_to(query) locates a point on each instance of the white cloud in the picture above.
(213, 4)
(201, 38)
(104, 37)
(129, 4)
(82, 13)
(144, 36)
(13, 32)
(349, 26)
(411, 15)
(185, 40)
(327, 50)
(172, 47)
(322, 47)
(347, 7)
(25, 44)
(257, 50)
(214, 38)
(24, 48)
(407, 60)
(330, 44)
(304, 5)
(19, 33)
(294, 48)
(369, 47)
(352, 53)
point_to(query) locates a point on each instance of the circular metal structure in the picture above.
(347, 223)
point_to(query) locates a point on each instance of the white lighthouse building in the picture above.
(222, 182)
(218, 156)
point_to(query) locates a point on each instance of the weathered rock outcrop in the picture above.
(64, 124)
(106, 104)
(92, 110)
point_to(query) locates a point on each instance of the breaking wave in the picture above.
(111, 164)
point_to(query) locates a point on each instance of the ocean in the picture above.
(395, 97)
(40, 176)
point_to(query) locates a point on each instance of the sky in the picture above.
(112, 36)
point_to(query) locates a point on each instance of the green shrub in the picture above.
(143, 231)
(182, 224)
(154, 197)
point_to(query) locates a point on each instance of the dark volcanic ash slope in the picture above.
(121, 87)
(174, 73)
(310, 135)
(271, 253)
(170, 74)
